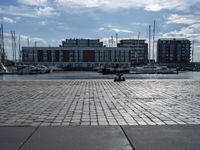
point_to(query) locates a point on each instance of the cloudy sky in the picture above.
(50, 21)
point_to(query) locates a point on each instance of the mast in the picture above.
(116, 39)
(154, 24)
(1, 51)
(13, 39)
(109, 42)
(138, 46)
(192, 51)
(15, 48)
(12, 44)
(112, 41)
(19, 51)
(28, 41)
(2, 45)
(149, 43)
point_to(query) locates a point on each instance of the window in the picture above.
(57, 56)
(66, 56)
(40, 56)
(89, 56)
(49, 57)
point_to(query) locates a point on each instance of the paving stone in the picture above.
(99, 102)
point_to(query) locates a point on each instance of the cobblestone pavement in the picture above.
(99, 102)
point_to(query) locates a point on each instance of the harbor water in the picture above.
(94, 75)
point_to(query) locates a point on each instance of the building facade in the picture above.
(173, 51)
(78, 53)
(82, 43)
(138, 52)
(0, 54)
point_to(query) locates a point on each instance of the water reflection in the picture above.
(95, 75)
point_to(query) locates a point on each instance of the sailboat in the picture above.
(151, 67)
(3, 69)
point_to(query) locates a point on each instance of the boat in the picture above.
(196, 68)
(43, 69)
(106, 70)
(55, 68)
(26, 69)
(152, 69)
(29, 69)
(3, 69)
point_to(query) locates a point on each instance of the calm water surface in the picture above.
(95, 75)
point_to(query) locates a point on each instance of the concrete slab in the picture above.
(12, 137)
(78, 138)
(174, 137)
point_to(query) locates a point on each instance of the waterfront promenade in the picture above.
(122, 113)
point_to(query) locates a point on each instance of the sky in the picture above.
(48, 22)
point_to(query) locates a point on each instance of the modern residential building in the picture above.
(0, 56)
(82, 43)
(173, 51)
(1, 49)
(138, 52)
(86, 53)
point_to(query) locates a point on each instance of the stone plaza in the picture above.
(99, 102)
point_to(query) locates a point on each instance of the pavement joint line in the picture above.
(129, 141)
(26, 140)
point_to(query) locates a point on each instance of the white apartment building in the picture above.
(84, 53)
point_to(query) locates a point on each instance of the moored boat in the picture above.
(196, 68)
(153, 69)
(113, 70)
(3, 69)
(43, 69)
(29, 69)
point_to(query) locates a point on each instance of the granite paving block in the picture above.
(100, 102)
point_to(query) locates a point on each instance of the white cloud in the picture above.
(26, 11)
(24, 38)
(101, 29)
(118, 29)
(139, 24)
(7, 20)
(150, 5)
(45, 11)
(121, 30)
(191, 32)
(154, 7)
(44, 22)
(183, 19)
(17, 18)
(33, 2)
(80, 3)
(113, 28)
(17, 11)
